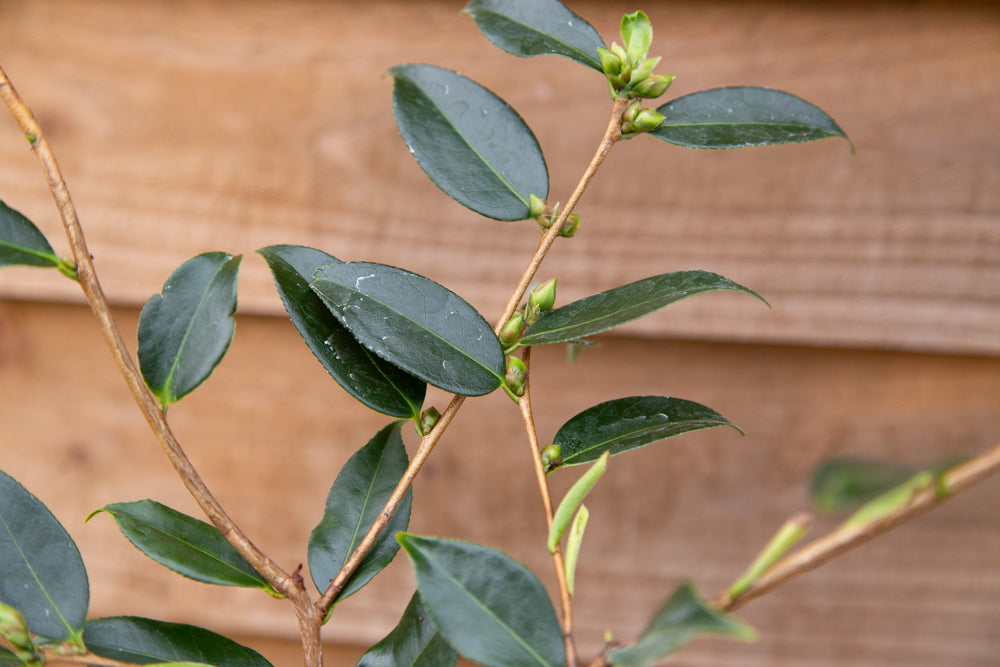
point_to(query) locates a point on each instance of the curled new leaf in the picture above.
(41, 573)
(739, 116)
(471, 143)
(414, 642)
(368, 378)
(186, 329)
(628, 423)
(414, 323)
(624, 304)
(537, 27)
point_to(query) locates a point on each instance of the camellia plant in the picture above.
(384, 333)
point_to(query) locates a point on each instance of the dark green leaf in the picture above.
(685, 616)
(373, 381)
(414, 642)
(840, 484)
(743, 116)
(41, 572)
(628, 423)
(356, 499)
(185, 330)
(9, 659)
(414, 323)
(490, 608)
(182, 543)
(620, 305)
(21, 242)
(537, 28)
(144, 641)
(470, 142)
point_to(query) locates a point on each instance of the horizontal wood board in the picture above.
(269, 431)
(184, 127)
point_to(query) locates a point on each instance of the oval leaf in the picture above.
(185, 330)
(356, 499)
(470, 142)
(628, 423)
(685, 616)
(536, 28)
(414, 323)
(184, 544)
(145, 641)
(738, 116)
(41, 572)
(414, 642)
(21, 242)
(373, 381)
(620, 305)
(489, 607)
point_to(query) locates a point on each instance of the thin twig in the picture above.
(148, 405)
(823, 549)
(565, 599)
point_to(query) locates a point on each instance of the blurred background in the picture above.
(184, 127)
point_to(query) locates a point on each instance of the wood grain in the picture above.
(184, 127)
(269, 431)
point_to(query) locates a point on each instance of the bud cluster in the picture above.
(636, 120)
(540, 211)
(628, 68)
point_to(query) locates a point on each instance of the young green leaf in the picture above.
(414, 323)
(368, 378)
(685, 616)
(536, 28)
(186, 329)
(573, 543)
(739, 116)
(356, 499)
(839, 484)
(489, 607)
(145, 641)
(414, 642)
(573, 499)
(471, 143)
(21, 242)
(621, 305)
(628, 423)
(888, 502)
(186, 545)
(41, 572)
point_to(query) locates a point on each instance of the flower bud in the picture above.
(543, 297)
(653, 86)
(648, 120)
(536, 206)
(510, 332)
(516, 375)
(14, 630)
(632, 111)
(429, 419)
(611, 63)
(551, 457)
(570, 226)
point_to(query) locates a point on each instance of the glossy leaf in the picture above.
(21, 242)
(41, 572)
(414, 323)
(414, 642)
(373, 381)
(355, 500)
(536, 28)
(145, 641)
(738, 116)
(628, 423)
(185, 330)
(489, 607)
(685, 616)
(620, 305)
(471, 143)
(182, 543)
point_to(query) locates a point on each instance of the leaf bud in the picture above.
(570, 226)
(510, 332)
(611, 63)
(516, 375)
(551, 457)
(429, 419)
(14, 630)
(653, 86)
(536, 206)
(648, 120)
(543, 297)
(632, 111)
(637, 34)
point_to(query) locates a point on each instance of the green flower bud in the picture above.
(429, 419)
(619, 51)
(551, 457)
(570, 226)
(648, 120)
(516, 375)
(536, 206)
(543, 297)
(14, 630)
(632, 111)
(637, 34)
(653, 86)
(510, 332)
(611, 63)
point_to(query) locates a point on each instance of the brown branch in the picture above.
(828, 547)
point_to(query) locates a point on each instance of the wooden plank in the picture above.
(186, 127)
(269, 431)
